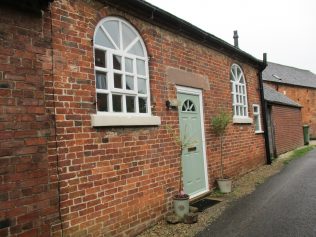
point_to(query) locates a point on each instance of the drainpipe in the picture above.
(264, 108)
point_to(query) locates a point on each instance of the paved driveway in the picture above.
(284, 206)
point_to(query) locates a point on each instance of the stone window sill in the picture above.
(245, 120)
(98, 120)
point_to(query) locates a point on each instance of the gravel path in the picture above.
(241, 187)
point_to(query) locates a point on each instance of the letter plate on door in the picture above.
(190, 149)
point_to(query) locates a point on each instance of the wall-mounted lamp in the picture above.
(172, 104)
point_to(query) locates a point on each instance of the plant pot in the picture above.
(181, 205)
(225, 185)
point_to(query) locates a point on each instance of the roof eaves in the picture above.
(289, 84)
(284, 104)
(164, 19)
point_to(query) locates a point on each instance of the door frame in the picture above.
(198, 92)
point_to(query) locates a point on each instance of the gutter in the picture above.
(283, 104)
(264, 109)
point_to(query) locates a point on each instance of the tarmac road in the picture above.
(284, 206)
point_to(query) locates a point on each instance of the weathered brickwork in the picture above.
(113, 181)
(305, 97)
(121, 180)
(28, 197)
(288, 132)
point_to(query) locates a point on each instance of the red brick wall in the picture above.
(305, 97)
(113, 181)
(121, 180)
(288, 129)
(28, 198)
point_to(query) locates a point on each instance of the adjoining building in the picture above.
(284, 122)
(297, 84)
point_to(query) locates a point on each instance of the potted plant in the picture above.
(219, 124)
(181, 199)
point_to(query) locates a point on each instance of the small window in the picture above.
(257, 121)
(188, 106)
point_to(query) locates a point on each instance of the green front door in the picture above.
(193, 160)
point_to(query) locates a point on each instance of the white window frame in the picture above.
(239, 96)
(123, 118)
(257, 117)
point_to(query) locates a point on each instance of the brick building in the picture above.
(93, 97)
(284, 122)
(297, 84)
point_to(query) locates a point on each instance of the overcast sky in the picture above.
(284, 29)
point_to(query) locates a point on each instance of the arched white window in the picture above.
(121, 69)
(239, 92)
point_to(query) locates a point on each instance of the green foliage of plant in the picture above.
(298, 153)
(220, 122)
(183, 142)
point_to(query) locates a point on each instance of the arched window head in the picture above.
(239, 92)
(121, 69)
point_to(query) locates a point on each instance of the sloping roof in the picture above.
(276, 97)
(166, 20)
(289, 75)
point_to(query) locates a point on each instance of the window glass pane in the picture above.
(142, 104)
(245, 111)
(102, 102)
(236, 88)
(118, 81)
(255, 109)
(129, 83)
(137, 49)
(117, 62)
(237, 99)
(257, 128)
(130, 104)
(237, 110)
(241, 111)
(117, 103)
(102, 39)
(112, 27)
(128, 65)
(140, 67)
(128, 35)
(232, 77)
(101, 82)
(99, 56)
(238, 71)
(242, 80)
(142, 88)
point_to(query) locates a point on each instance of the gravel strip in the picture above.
(241, 187)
